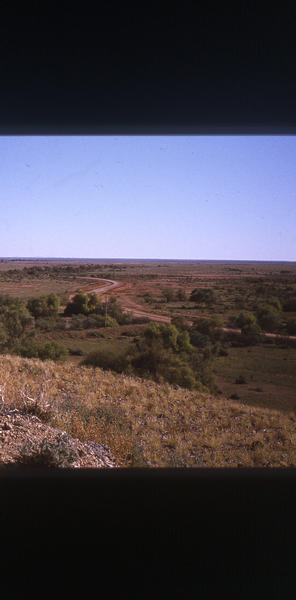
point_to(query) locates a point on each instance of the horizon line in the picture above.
(145, 259)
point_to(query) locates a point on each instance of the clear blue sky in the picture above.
(178, 197)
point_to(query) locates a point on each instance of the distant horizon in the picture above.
(76, 258)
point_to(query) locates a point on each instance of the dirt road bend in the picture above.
(109, 285)
(129, 305)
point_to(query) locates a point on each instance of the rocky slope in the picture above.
(73, 416)
(25, 440)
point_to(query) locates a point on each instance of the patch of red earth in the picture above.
(130, 305)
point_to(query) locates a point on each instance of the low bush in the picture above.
(203, 296)
(251, 334)
(107, 360)
(268, 317)
(129, 332)
(76, 352)
(77, 322)
(44, 306)
(45, 324)
(47, 351)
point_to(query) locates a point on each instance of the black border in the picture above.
(196, 530)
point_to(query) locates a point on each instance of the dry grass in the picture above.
(145, 423)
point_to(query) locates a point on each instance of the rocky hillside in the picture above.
(26, 441)
(69, 416)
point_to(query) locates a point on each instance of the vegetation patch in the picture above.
(145, 423)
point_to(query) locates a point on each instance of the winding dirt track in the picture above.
(98, 290)
(129, 305)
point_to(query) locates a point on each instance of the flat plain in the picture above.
(149, 288)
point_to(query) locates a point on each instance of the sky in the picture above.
(163, 197)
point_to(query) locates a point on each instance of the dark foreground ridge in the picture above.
(152, 530)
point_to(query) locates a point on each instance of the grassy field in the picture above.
(269, 372)
(33, 288)
(86, 342)
(149, 424)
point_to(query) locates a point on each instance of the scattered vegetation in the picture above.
(47, 351)
(162, 353)
(145, 423)
(203, 296)
(99, 313)
(202, 300)
(44, 306)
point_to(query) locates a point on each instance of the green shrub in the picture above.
(107, 360)
(45, 324)
(251, 334)
(212, 328)
(44, 306)
(83, 304)
(203, 296)
(129, 333)
(77, 322)
(268, 317)
(99, 321)
(47, 351)
(76, 352)
(199, 340)
(245, 319)
(60, 324)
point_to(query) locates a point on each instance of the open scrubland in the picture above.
(167, 363)
(148, 424)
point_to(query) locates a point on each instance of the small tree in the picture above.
(251, 334)
(77, 306)
(203, 296)
(44, 306)
(268, 317)
(94, 304)
(209, 327)
(246, 319)
(48, 351)
(168, 294)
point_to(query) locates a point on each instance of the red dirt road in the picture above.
(129, 305)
